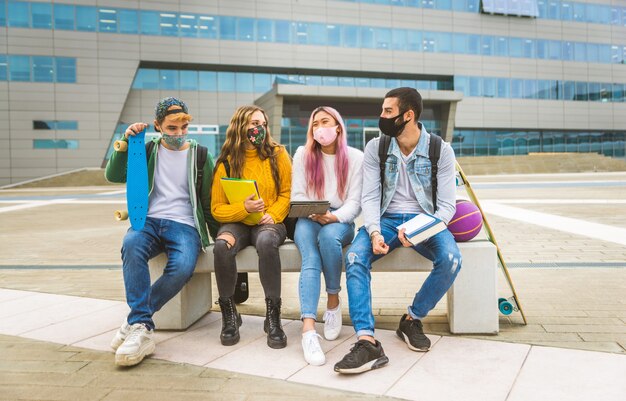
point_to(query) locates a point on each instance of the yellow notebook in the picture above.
(237, 190)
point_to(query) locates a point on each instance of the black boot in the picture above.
(276, 337)
(231, 320)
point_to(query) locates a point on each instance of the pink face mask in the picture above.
(325, 135)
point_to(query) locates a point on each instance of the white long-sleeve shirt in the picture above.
(346, 210)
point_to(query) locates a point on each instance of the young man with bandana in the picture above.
(405, 192)
(178, 223)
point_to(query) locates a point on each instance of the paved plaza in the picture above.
(564, 237)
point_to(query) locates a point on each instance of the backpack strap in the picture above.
(227, 168)
(383, 147)
(149, 148)
(201, 156)
(434, 151)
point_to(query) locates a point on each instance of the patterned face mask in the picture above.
(256, 135)
(174, 141)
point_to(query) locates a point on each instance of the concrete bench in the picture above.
(472, 299)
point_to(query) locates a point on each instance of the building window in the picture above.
(43, 69)
(55, 144)
(64, 17)
(65, 69)
(19, 68)
(86, 18)
(41, 15)
(18, 14)
(66, 125)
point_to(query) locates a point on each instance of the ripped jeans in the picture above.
(266, 238)
(441, 249)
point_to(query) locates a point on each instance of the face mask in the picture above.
(174, 141)
(256, 135)
(325, 135)
(388, 125)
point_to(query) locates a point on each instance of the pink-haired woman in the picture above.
(325, 168)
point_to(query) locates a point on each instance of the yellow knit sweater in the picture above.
(261, 171)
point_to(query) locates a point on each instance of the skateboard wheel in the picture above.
(120, 146)
(505, 307)
(121, 215)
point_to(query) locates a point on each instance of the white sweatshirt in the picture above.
(346, 210)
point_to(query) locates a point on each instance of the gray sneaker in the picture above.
(138, 345)
(120, 336)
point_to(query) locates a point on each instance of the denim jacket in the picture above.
(418, 169)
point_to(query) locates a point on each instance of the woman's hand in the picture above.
(266, 219)
(252, 205)
(324, 218)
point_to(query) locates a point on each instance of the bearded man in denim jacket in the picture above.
(406, 192)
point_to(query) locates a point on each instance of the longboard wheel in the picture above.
(505, 307)
(120, 146)
(121, 215)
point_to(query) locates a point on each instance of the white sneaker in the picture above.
(332, 322)
(120, 336)
(137, 345)
(313, 353)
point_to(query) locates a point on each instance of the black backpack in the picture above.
(434, 151)
(201, 156)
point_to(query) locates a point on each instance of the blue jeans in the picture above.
(321, 249)
(441, 249)
(180, 242)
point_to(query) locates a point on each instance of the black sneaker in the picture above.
(412, 333)
(363, 356)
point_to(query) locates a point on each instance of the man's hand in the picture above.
(378, 244)
(403, 240)
(252, 205)
(134, 129)
(266, 219)
(324, 218)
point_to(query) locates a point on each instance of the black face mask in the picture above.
(389, 127)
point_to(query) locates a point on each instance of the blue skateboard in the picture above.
(136, 180)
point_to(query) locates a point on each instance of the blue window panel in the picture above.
(263, 82)
(19, 15)
(398, 39)
(459, 5)
(362, 82)
(515, 47)
(461, 84)
(580, 51)
(317, 34)
(530, 89)
(19, 68)
(367, 37)
(67, 125)
(226, 81)
(594, 91)
(43, 69)
(3, 13)
(554, 50)
(346, 81)
(107, 20)
(443, 4)
(423, 85)
(207, 81)
(411, 83)
(146, 79)
(428, 42)
(333, 33)
(489, 87)
(428, 4)
(618, 92)
(65, 69)
(568, 50)
(245, 29)
(592, 52)
(350, 36)
(502, 46)
(188, 26)
(475, 86)
(554, 9)
(128, 21)
(149, 22)
(502, 87)
(264, 30)
(615, 15)
(567, 11)
(207, 27)
(41, 15)
(377, 82)
(517, 91)
(244, 82)
(189, 80)
(460, 43)
(169, 24)
(555, 90)
(579, 12)
(487, 45)
(382, 38)
(604, 14)
(568, 90)
(3, 67)
(282, 31)
(86, 18)
(443, 42)
(228, 28)
(64, 17)
(542, 7)
(330, 81)
(168, 80)
(55, 144)
(414, 41)
(543, 89)
(582, 91)
(473, 5)
(604, 54)
(473, 44)
(44, 125)
(528, 48)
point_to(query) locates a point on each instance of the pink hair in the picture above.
(313, 163)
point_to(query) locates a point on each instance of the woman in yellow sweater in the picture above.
(249, 152)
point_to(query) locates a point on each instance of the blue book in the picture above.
(422, 227)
